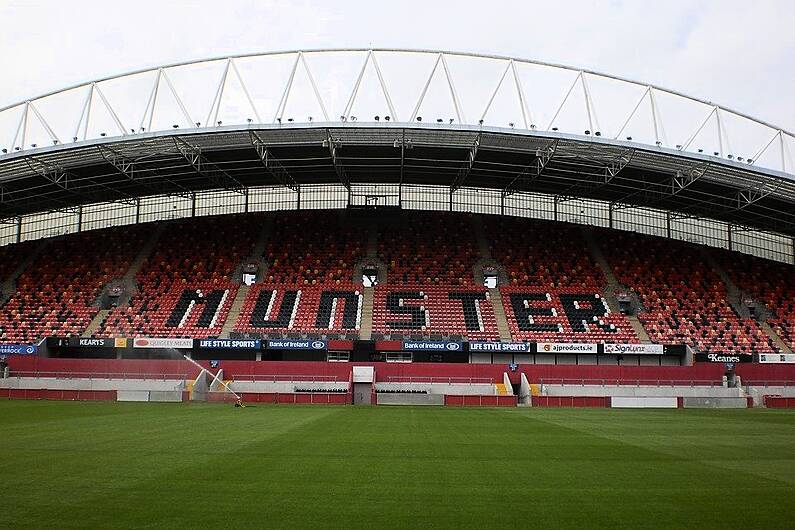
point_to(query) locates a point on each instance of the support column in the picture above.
(668, 224)
(610, 214)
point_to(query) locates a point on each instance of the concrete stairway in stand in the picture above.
(234, 311)
(143, 254)
(96, 322)
(368, 293)
(366, 329)
(734, 297)
(9, 285)
(262, 238)
(128, 280)
(494, 294)
(242, 291)
(613, 285)
(480, 236)
(499, 314)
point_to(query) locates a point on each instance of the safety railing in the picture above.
(98, 375)
(765, 383)
(284, 378)
(440, 380)
(629, 382)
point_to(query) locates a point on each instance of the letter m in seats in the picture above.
(212, 303)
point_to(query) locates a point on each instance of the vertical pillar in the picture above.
(19, 229)
(729, 236)
(668, 224)
(610, 214)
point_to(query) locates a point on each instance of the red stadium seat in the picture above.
(684, 299)
(194, 256)
(769, 282)
(56, 293)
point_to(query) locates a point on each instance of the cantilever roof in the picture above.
(603, 137)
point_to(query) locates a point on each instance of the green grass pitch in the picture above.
(111, 465)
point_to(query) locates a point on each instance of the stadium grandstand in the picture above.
(447, 238)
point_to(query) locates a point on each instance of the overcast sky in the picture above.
(737, 53)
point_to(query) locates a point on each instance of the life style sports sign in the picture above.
(500, 347)
(228, 344)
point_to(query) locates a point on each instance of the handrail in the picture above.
(284, 378)
(96, 375)
(629, 382)
(440, 380)
(767, 383)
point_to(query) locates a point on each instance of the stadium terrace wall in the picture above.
(309, 350)
(583, 211)
(756, 374)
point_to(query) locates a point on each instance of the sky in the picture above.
(738, 54)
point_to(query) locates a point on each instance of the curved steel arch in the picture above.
(29, 107)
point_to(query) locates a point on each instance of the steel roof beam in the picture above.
(679, 181)
(271, 163)
(333, 145)
(610, 170)
(463, 173)
(62, 178)
(754, 194)
(206, 168)
(535, 169)
(128, 168)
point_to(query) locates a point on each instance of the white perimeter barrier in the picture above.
(618, 402)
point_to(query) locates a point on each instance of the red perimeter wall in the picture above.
(702, 373)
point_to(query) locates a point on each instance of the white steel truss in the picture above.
(714, 130)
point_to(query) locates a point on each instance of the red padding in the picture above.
(571, 401)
